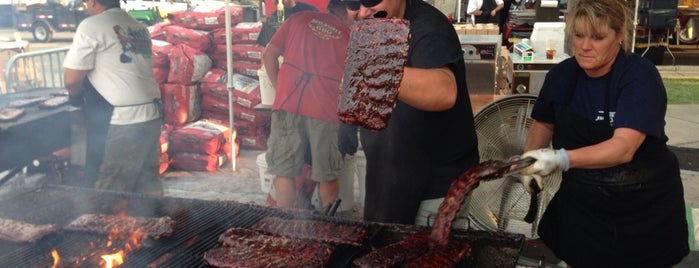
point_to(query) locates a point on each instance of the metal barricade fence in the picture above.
(36, 69)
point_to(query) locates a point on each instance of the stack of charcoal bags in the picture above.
(189, 63)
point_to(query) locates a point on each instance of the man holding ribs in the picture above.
(428, 137)
(304, 121)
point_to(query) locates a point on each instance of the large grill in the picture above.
(198, 225)
(25, 139)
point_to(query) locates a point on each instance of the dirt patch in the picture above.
(688, 157)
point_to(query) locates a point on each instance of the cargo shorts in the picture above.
(293, 137)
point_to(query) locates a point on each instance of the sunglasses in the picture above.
(354, 5)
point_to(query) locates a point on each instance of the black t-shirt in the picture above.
(426, 150)
(637, 97)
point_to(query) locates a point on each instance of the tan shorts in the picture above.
(294, 136)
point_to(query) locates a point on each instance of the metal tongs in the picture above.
(494, 169)
(519, 164)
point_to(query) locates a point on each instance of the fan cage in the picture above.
(500, 205)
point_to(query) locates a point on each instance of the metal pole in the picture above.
(458, 11)
(229, 67)
(635, 24)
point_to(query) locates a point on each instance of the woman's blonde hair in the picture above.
(593, 17)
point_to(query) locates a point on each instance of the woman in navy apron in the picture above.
(621, 201)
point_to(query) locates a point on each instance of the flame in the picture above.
(56, 258)
(113, 260)
(122, 237)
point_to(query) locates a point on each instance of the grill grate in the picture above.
(198, 223)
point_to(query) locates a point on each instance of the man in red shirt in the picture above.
(304, 113)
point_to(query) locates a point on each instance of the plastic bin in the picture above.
(265, 179)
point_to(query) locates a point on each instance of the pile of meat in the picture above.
(376, 56)
(277, 242)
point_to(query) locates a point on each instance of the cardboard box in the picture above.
(523, 50)
(461, 28)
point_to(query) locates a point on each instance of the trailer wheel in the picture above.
(42, 32)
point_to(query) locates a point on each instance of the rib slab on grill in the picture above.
(312, 230)
(25, 102)
(18, 231)
(54, 102)
(452, 254)
(9, 113)
(253, 258)
(249, 248)
(459, 189)
(376, 56)
(396, 253)
(121, 225)
(413, 251)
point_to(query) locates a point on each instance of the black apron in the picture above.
(98, 114)
(631, 215)
(300, 84)
(487, 7)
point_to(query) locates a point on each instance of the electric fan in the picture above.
(501, 204)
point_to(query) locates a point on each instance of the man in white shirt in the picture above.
(485, 11)
(108, 73)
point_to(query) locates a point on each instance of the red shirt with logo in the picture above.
(314, 45)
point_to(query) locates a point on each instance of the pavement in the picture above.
(682, 126)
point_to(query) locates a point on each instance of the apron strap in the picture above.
(302, 82)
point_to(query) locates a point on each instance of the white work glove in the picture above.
(547, 161)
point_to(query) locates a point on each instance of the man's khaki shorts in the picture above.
(293, 136)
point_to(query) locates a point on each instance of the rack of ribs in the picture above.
(122, 225)
(376, 56)
(313, 230)
(249, 248)
(414, 251)
(19, 231)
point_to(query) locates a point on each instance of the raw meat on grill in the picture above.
(376, 56)
(451, 255)
(459, 189)
(122, 225)
(54, 102)
(249, 248)
(313, 230)
(26, 102)
(18, 231)
(396, 253)
(8, 113)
